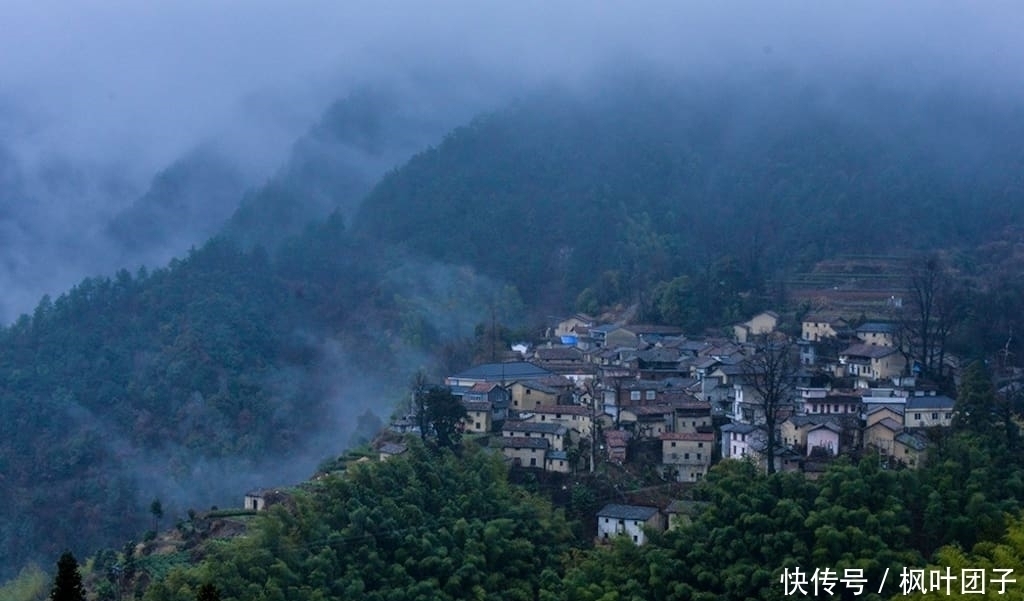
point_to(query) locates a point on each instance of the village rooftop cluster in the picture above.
(621, 393)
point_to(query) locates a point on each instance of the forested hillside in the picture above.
(653, 179)
(254, 361)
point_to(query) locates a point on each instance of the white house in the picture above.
(628, 520)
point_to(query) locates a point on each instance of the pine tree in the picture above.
(67, 585)
(208, 592)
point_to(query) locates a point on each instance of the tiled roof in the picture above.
(890, 424)
(872, 351)
(566, 409)
(520, 442)
(534, 427)
(516, 370)
(912, 441)
(627, 512)
(477, 405)
(919, 403)
(393, 448)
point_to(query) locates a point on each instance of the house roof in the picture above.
(483, 386)
(393, 448)
(649, 410)
(627, 512)
(911, 440)
(478, 405)
(559, 353)
(514, 370)
(890, 424)
(660, 355)
(824, 317)
(534, 427)
(876, 327)
(557, 455)
(653, 330)
(566, 409)
(939, 402)
(520, 442)
(741, 428)
(872, 351)
(876, 407)
(827, 426)
(809, 420)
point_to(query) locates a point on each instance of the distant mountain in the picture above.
(652, 179)
(334, 165)
(186, 204)
(260, 347)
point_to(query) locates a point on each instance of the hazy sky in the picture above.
(145, 80)
(117, 90)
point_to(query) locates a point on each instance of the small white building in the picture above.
(628, 520)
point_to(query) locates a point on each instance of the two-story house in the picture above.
(628, 520)
(686, 454)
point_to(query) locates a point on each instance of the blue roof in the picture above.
(930, 402)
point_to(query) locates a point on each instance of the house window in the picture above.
(673, 444)
(650, 395)
(533, 461)
(935, 416)
(634, 395)
(478, 426)
(527, 391)
(949, 416)
(686, 455)
(700, 445)
(698, 456)
(634, 538)
(917, 416)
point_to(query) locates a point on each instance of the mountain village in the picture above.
(640, 393)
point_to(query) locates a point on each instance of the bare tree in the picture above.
(771, 373)
(938, 304)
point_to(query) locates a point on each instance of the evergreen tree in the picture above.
(208, 592)
(444, 414)
(156, 508)
(67, 585)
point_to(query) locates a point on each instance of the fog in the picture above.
(98, 98)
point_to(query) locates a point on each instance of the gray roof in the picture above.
(890, 423)
(517, 370)
(393, 448)
(558, 455)
(940, 402)
(627, 512)
(877, 327)
(520, 442)
(872, 351)
(539, 428)
(815, 419)
(912, 441)
(741, 428)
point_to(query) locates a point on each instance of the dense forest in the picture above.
(438, 525)
(262, 346)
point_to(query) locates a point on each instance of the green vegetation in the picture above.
(687, 200)
(423, 526)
